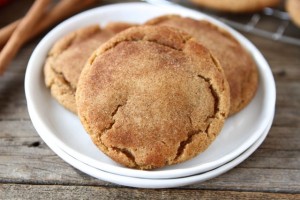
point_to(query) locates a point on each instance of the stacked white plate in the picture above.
(64, 134)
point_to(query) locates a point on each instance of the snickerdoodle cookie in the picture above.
(293, 8)
(68, 56)
(236, 6)
(152, 96)
(239, 67)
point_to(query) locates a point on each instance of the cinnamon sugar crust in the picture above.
(69, 55)
(239, 67)
(152, 96)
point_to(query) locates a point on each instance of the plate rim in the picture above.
(132, 172)
(158, 183)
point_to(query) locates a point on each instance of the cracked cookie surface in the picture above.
(68, 56)
(151, 97)
(239, 67)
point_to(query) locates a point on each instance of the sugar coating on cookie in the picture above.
(293, 8)
(236, 6)
(239, 67)
(151, 97)
(69, 55)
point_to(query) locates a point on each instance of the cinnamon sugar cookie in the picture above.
(236, 6)
(293, 8)
(239, 67)
(68, 56)
(152, 96)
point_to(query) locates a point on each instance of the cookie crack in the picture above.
(215, 96)
(192, 133)
(110, 125)
(65, 45)
(75, 37)
(143, 38)
(216, 62)
(127, 153)
(185, 142)
(124, 151)
(53, 56)
(93, 57)
(63, 78)
(164, 45)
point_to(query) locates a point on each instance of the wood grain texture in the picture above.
(30, 170)
(13, 191)
(25, 158)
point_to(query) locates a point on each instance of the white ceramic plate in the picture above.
(155, 183)
(65, 130)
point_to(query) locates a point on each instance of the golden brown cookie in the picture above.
(293, 8)
(239, 67)
(152, 96)
(236, 6)
(68, 56)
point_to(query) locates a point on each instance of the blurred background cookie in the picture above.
(236, 6)
(152, 96)
(238, 65)
(293, 8)
(69, 55)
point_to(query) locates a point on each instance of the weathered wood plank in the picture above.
(12, 191)
(268, 158)
(25, 158)
(288, 94)
(282, 138)
(287, 117)
(255, 179)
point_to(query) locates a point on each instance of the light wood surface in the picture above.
(30, 170)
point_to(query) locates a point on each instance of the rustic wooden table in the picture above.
(30, 170)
